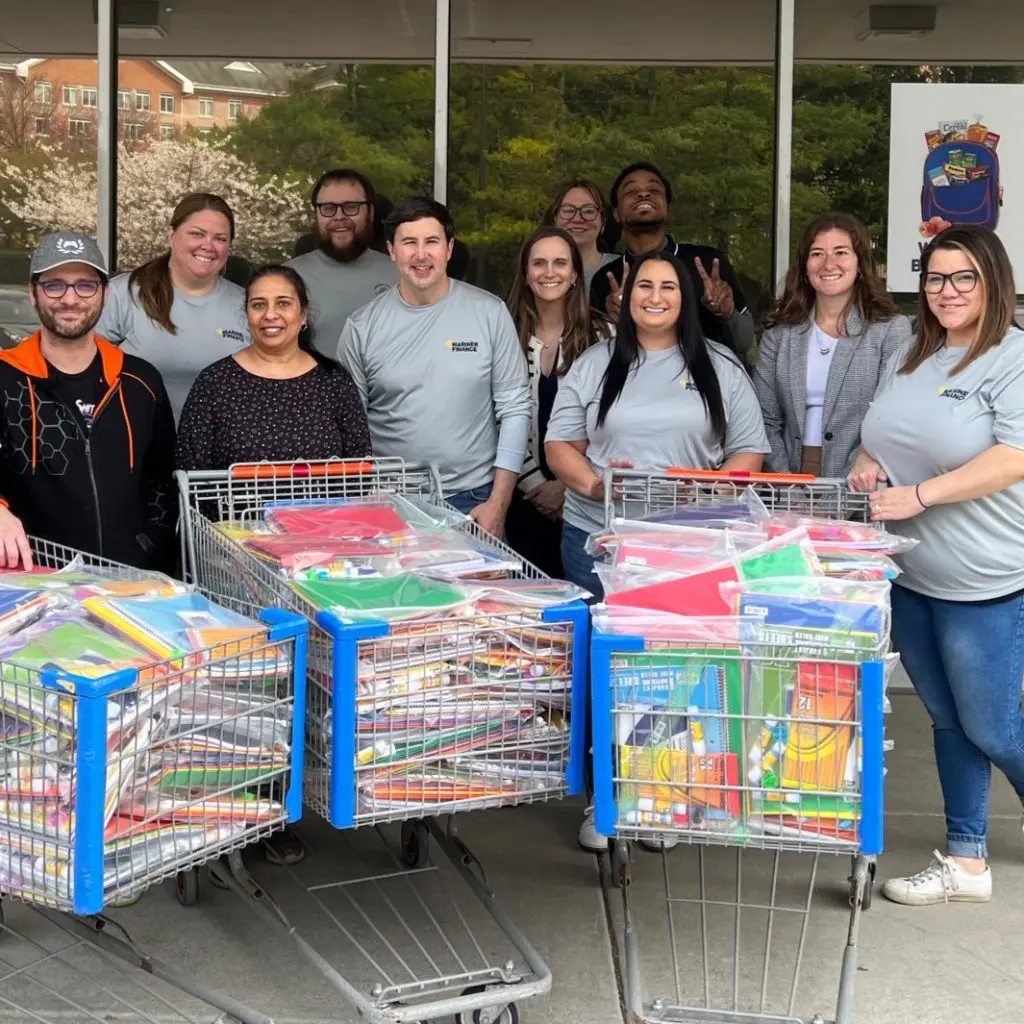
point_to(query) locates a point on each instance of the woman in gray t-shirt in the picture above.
(946, 430)
(177, 311)
(659, 395)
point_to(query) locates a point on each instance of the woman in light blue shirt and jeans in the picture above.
(946, 431)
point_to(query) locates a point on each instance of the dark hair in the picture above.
(294, 278)
(418, 208)
(344, 174)
(583, 325)
(640, 165)
(985, 250)
(153, 279)
(869, 296)
(627, 353)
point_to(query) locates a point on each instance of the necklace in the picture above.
(824, 348)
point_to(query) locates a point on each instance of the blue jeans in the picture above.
(966, 661)
(577, 563)
(466, 501)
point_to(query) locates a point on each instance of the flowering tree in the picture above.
(61, 195)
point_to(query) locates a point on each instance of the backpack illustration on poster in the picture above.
(961, 176)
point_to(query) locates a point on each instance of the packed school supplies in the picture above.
(741, 714)
(463, 699)
(184, 707)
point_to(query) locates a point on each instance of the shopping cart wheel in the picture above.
(618, 854)
(499, 1013)
(186, 887)
(415, 844)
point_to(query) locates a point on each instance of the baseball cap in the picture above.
(59, 248)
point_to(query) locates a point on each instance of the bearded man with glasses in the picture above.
(343, 273)
(86, 430)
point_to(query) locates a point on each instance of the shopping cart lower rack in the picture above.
(382, 748)
(111, 783)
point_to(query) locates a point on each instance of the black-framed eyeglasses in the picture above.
(962, 280)
(350, 208)
(85, 289)
(588, 211)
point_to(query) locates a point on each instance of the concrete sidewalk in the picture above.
(927, 964)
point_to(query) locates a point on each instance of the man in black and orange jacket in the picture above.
(86, 432)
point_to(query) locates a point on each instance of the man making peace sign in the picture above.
(640, 200)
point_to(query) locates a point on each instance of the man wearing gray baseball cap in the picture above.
(86, 431)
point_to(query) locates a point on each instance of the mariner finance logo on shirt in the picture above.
(228, 332)
(462, 346)
(957, 394)
(687, 385)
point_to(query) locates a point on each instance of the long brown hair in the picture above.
(995, 272)
(153, 279)
(869, 296)
(583, 326)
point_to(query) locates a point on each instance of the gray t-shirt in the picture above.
(926, 423)
(658, 421)
(337, 290)
(588, 275)
(209, 327)
(437, 380)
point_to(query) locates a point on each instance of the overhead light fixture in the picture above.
(896, 21)
(139, 19)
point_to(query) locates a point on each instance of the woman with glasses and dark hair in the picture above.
(821, 358)
(556, 325)
(177, 311)
(659, 395)
(946, 433)
(579, 209)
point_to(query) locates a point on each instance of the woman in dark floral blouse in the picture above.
(278, 400)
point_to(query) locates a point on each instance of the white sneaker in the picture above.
(943, 881)
(657, 845)
(589, 838)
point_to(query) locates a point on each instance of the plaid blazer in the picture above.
(780, 380)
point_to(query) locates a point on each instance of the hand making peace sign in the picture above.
(717, 293)
(613, 304)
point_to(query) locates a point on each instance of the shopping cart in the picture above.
(711, 767)
(109, 788)
(362, 772)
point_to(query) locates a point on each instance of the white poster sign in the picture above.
(956, 156)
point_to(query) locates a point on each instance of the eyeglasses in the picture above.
(962, 280)
(587, 212)
(350, 209)
(85, 289)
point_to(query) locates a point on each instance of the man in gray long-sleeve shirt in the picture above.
(439, 368)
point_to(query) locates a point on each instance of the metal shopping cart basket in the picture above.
(713, 709)
(107, 787)
(360, 771)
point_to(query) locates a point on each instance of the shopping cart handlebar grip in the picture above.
(271, 470)
(283, 625)
(741, 475)
(370, 630)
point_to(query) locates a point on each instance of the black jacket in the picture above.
(713, 327)
(108, 492)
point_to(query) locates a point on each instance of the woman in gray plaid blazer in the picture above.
(821, 357)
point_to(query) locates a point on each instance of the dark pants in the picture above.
(534, 536)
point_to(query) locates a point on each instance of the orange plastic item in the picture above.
(271, 471)
(742, 476)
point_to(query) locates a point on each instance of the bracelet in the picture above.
(917, 492)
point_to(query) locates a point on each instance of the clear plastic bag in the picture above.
(838, 534)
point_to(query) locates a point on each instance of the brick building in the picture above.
(156, 98)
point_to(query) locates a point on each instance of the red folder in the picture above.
(694, 595)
